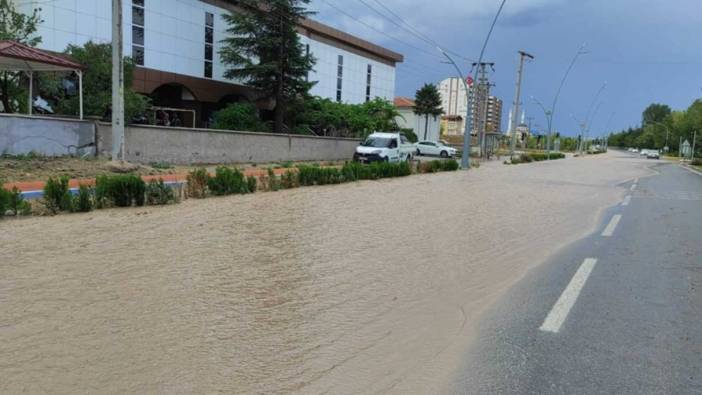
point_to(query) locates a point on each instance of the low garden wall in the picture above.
(20, 135)
(148, 144)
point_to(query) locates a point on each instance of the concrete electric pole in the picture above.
(517, 99)
(481, 104)
(117, 83)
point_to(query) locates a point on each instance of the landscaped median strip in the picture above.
(34, 189)
(59, 194)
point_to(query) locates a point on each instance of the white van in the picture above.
(384, 147)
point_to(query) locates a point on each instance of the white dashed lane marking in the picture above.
(559, 312)
(609, 230)
(627, 200)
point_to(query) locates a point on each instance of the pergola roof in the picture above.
(19, 57)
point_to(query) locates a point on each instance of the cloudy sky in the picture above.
(644, 50)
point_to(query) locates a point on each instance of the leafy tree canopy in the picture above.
(97, 84)
(22, 28)
(264, 50)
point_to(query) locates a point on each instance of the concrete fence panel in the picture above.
(147, 144)
(46, 136)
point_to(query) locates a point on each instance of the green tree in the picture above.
(16, 26)
(97, 84)
(427, 102)
(239, 116)
(655, 113)
(264, 50)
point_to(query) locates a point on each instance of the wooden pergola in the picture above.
(15, 56)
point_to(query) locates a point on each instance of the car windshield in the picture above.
(377, 142)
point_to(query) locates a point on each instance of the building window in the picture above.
(138, 23)
(369, 77)
(209, 43)
(339, 78)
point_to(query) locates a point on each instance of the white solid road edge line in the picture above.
(558, 314)
(627, 200)
(609, 230)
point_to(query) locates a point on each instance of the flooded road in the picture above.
(370, 287)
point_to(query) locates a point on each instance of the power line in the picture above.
(414, 31)
(378, 30)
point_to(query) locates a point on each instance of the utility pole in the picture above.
(118, 146)
(515, 105)
(481, 103)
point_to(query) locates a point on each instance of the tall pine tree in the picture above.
(264, 50)
(427, 102)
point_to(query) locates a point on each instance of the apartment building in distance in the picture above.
(175, 45)
(455, 104)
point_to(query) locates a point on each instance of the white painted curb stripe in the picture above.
(627, 200)
(609, 230)
(558, 314)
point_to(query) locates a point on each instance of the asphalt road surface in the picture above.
(617, 312)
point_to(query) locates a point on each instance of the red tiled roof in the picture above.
(403, 102)
(15, 50)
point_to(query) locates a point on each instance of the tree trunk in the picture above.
(426, 125)
(5, 93)
(279, 113)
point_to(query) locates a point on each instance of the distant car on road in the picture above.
(643, 152)
(652, 154)
(435, 149)
(634, 150)
(384, 147)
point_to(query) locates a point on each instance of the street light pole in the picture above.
(667, 132)
(465, 158)
(581, 51)
(469, 114)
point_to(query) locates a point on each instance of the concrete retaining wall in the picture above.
(46, 136)
(146, 144)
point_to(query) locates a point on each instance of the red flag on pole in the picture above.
(469, 80)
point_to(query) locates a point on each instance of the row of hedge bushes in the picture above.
(226, 181)
(129, 190)
(535, 157)
(124, 190)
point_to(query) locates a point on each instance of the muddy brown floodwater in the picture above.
(370, 287)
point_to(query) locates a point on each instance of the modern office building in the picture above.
(175, 45)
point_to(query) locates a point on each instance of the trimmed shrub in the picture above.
(13, 202)
(252, 183)
(436, 166)
(197, 183)
(289, 180)
(353, 171)
(57, 196)
(120, 190)
(228, 182)
(83, 201)
(315, 175)
(158, 193)
(272, 181)
(696, 162)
